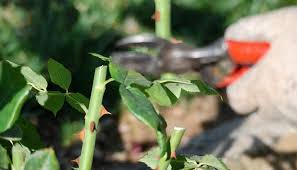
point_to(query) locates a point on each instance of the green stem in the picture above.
(162, 18)
(92, 119)
(175, 140)
(164, 162)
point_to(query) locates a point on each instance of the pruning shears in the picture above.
(153, 55)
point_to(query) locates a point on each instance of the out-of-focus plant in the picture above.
(18, 82)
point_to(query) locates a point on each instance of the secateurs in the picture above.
(152, 55)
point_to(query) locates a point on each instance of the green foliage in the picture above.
(78, 101)
(23, 159)
(20, 154)
(135, 90)
(161, 94)
(30, 135)
(11, 111)
(151, 158)
(42, 160)
(14, 92)
(118, 73)
(59, 75)
(34, 79)
(52, 101)
(4, 159)
(13, 134)
(207, 162)
(141, 107)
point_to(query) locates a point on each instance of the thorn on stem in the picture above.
(76, 161)
(175, 41)
(81, 135)
(173, 154)
(104, 111)
(156, 16)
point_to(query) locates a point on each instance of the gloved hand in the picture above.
(272, 82)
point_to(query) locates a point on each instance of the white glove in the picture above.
(272, 82)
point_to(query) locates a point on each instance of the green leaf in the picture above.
(151, 158)
(182, 163)
(161, 94)
(194, 86)
(33, 78)
(211, 161)
(141, 107)
(118, 73)
(78, 102)
(11, 111)
(4, 159)
(136, 78)
(31, 137)
(20, 154)
(127, 78)
(59, 75)
(204, 88)
(42, 160)
(52, 101)
(101, 57)
(176, 88)
(13, 134)
(14, 92)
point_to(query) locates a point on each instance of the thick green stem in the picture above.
(175, 140)
(162, 18)
(92, 119)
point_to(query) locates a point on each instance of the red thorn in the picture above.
(173, 154)
(176, 41)
(156, 16)
(81, 135)
(76, 160)
(104, 111)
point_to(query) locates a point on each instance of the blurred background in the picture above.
(32, 31)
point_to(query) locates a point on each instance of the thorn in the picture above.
(176, 41)
(92, 126)
(76, 160)
(156, 16)
(173, 154)
(81, 135)
(104, 111)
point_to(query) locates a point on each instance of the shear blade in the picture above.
(141, 40)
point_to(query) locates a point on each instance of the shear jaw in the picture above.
(167, 56)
